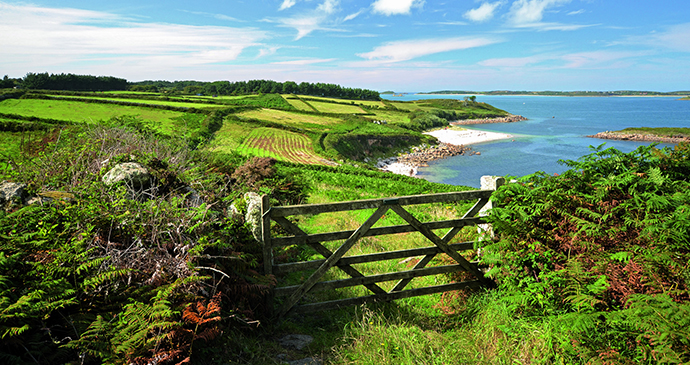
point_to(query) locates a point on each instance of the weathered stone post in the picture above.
(488, 182)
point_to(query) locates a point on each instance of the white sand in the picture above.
(401, 169)
(466, 136)
(452, 136)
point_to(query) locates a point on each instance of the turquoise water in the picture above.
(556, 130)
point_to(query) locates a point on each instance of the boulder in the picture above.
(296, 342)
(131, 173)
(11, 192)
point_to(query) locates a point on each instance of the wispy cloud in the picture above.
(514, 62)
(676, 38)
(599, 59)
(305, 62)
(287, 4)
(211, 15)
(71, 36)
(407, 50)
(353, 15)
(541, 26)
(577, 12)
(577, 60)
(483, 13)
(531, 11)
(395, 7)
(311, 21)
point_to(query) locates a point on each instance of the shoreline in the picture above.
(453, 142)
(637, 137)
(510, 118)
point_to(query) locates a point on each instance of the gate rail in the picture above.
(336, 259)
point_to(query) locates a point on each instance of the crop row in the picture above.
(281, 145)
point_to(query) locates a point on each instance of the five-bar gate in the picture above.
(293, 294)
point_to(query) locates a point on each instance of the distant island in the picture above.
(562, 93)
(645, 134)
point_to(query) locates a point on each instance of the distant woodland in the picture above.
(72, 82)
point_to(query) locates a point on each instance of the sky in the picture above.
(398, 45)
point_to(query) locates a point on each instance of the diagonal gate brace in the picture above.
(332, 260)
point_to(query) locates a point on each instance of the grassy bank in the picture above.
(657, 131)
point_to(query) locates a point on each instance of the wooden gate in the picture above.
(331, 259)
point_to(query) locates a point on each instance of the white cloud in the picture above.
(305, 62)
(554, 26)
(353, 15)
(593, 59)
(531, 11)
(577, 12)
(287, 4)
(407, 50)
(303, 25)
(676, 38)
(516, 62)
(35, 37)
(483, 13)
(328, 6)
(312, 20)
(598, 59)
(394, 7)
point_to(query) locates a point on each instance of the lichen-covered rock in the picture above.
(129, 172)
(11, 192)
(253, 215)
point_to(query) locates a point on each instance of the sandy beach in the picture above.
(466, 136)
(455, 136)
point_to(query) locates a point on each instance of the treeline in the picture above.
(255, 87)
(8, 83)
(45, 81)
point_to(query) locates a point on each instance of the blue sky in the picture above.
(401, 45)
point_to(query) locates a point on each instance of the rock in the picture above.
(128, 172)
(192, 197)
(297, 342)
(307, 361)
(11, 192)
(253, 216)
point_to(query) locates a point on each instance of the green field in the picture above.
(292, 119)
(281, 145)
(81, 112)
(391, 116)
(176, 104)
(336, 108)
(298, 104)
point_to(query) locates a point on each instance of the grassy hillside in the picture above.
(336, 129)
(591, 265)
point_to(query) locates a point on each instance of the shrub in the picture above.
(602, 247)
(110, 279)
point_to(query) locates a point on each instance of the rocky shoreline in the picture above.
(408, 163)
(639, 137)
(511, 118)
(421, 156)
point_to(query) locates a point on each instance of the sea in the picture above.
(556, 130)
